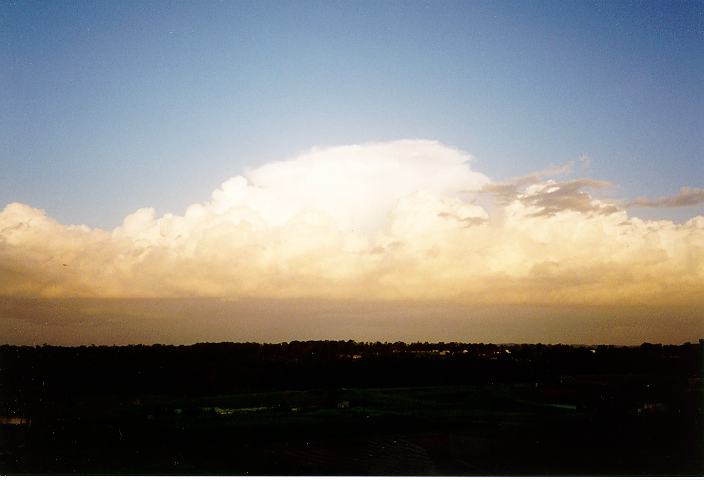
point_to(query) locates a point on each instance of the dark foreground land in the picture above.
(352, 408)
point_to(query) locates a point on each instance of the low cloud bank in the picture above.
(387, 221)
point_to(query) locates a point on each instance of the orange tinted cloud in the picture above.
(386, 221)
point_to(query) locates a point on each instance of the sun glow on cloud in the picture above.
(386, 221)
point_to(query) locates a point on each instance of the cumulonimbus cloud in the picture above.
(385, 221)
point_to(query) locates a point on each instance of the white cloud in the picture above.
(384, 221)
(355, 185)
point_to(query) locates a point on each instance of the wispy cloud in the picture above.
(508, 191)
(550, 197)
(553, 197)
(687, 197)
(586, 161)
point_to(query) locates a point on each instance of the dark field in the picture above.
(351, 408)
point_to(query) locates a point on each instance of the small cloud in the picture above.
(687, 197)
(508, 191)
(585, 161)
(554, 197)
(464, 221)
(505, 193)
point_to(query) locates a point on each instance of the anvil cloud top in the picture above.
(473, 157)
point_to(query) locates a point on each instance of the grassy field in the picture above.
(507, 429)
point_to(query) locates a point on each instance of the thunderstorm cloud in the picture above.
(392, 221)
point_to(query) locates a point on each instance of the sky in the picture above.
(504, 171)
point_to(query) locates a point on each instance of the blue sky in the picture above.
(106, 107)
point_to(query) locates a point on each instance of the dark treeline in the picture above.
(333, 407)
(30, 374)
